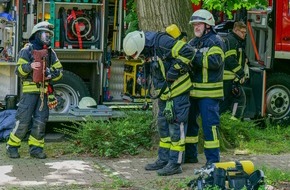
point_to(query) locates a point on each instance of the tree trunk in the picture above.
(156, 15)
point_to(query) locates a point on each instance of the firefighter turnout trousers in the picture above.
(172, 135)
(29, 116)
(208, 109)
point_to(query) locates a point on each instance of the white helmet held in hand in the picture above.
(134, 43)
(87, 102)
(203, 16)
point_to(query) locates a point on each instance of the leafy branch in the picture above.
(229, 6)
(131, 18)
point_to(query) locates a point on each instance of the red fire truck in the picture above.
(268, 50)
(87, 68)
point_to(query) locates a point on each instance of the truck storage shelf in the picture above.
(78, 55)
(71, 118)
(78, 50)
(122, 105)
(75, 3)
(77, 61)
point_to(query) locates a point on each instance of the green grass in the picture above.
(272, 139)
(276, 177)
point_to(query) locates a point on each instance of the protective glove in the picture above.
(168, 112)
(236, 90)
(47, 73)
(52, 101)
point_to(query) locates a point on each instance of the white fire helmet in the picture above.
(134, 43)
(203, 16)
(87, 103)
(42, 26)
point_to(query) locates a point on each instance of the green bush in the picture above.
(112, 138)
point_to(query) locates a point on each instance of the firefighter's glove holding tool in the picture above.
(168, 112)
(47, 73)
(35, 65)
(236, 89)
(51, 99)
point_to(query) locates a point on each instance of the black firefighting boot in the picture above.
(37, 152)
(12, 151)
(170, 169)
(158, 164)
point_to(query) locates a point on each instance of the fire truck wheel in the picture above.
(69, 91)
(278, 96)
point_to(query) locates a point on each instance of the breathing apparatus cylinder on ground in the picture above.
(228, 175)
(248, 166)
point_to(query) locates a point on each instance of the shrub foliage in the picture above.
(112, 138)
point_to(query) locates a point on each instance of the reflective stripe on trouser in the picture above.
(208, 109)
(36, 137)
(28, 108)
(172, 135)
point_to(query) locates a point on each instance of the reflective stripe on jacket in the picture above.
(179, 86)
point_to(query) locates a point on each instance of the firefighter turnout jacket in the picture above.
(24, 70)
(208, 66)
(235, 57)
(169, 65)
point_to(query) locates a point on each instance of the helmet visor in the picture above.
(196, 19)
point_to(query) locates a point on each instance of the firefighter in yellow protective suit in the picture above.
(33, 107)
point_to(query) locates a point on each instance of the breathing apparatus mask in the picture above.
(44, 37)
